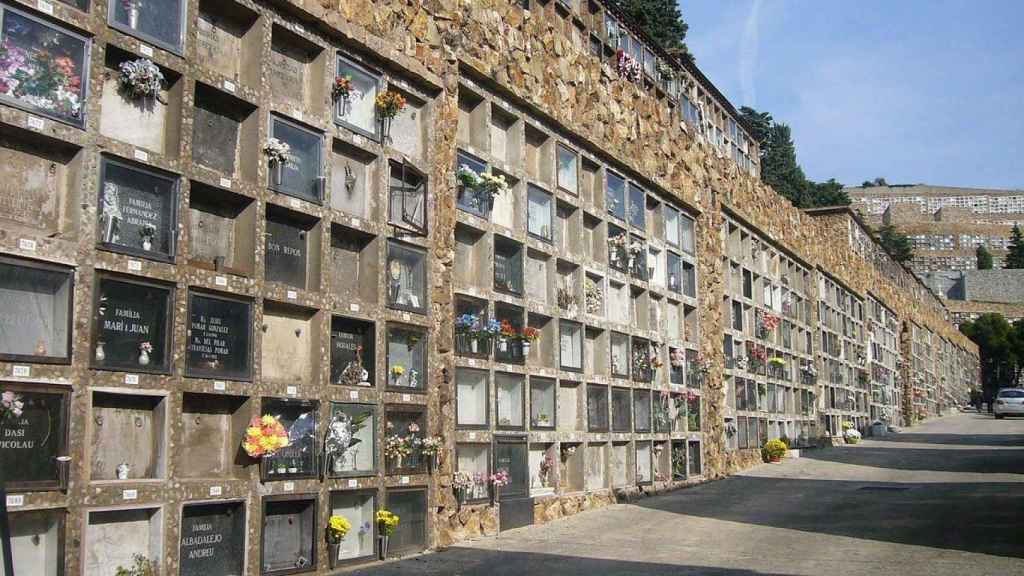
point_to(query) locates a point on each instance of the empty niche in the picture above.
(409, 128)
(568, 229)
(150, 122)
(222, 230)
(596, 465)
(228, 40)
(595, 352)
(128, 436)
(544, 353)
(572, 477)
(297, 68)
(291, 342)
(472, 128)
(354, 180)
(212, 538)
(113, 538)
(506, 136)
(354, 265)
(620, 465)
(618, 302)
(291, 239)
(473, 256)
(213, 427)
(35, 304)
(538, 283)
(640, 305)
(591, 187)
(569, 417)
(663, 462)
(540, 155)
(40, 180)
(225, 133)
(594, 248)
(289, 534)
(37, 541)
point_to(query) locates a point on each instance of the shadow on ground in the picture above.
(893, 457)
(474, 562)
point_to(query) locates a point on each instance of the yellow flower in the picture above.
(268, 420)
(253, 431)
(398, 370)
(339, 525)
(249, 447)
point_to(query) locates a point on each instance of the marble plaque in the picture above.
(219, 338)
(286, 253)
(212, 540)
(32, 435)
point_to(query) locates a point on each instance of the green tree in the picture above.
(1015, 259)
(1002, 349)
(896, 245)
(828, 193)
(984, 258)
(759, 125)
(779, 166)
(662, 21)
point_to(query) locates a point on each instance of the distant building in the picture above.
(946, 225)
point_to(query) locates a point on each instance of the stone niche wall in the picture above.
(526, 56)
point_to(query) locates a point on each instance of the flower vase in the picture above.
(385, 130)
(503, 344)
(276, 172)
(147, 245)
(382, 550)
(101, 355)
(281, 469)
(526, 348)
(123, 471)
(133, 15)
(333, 553)
(474, 345)
(143, 358)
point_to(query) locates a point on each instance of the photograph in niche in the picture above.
(33, 430)
(132, 326)
(349, 446)
(42, 68)
(406, 277)
(219, 338)
(35, 312)
(137, 210)
(299, 458)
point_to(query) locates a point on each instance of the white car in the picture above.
(1009, 402)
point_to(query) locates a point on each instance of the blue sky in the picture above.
(914, 91)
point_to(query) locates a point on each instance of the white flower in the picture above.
(141, 78)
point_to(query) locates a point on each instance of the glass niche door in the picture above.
(511, 456)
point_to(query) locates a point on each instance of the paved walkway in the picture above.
(944, 498)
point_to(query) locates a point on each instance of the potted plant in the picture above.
(279, 154)
(341, 92)
(461, 483)
(140, 79)
(387, 522)
(337, 527)
(529, 335)
(396, 448)
(774, 450)
(141, 566)
(430, 448)
(389, 104)
(498, 479)
(484, 186)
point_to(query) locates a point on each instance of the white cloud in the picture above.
(749, 54)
